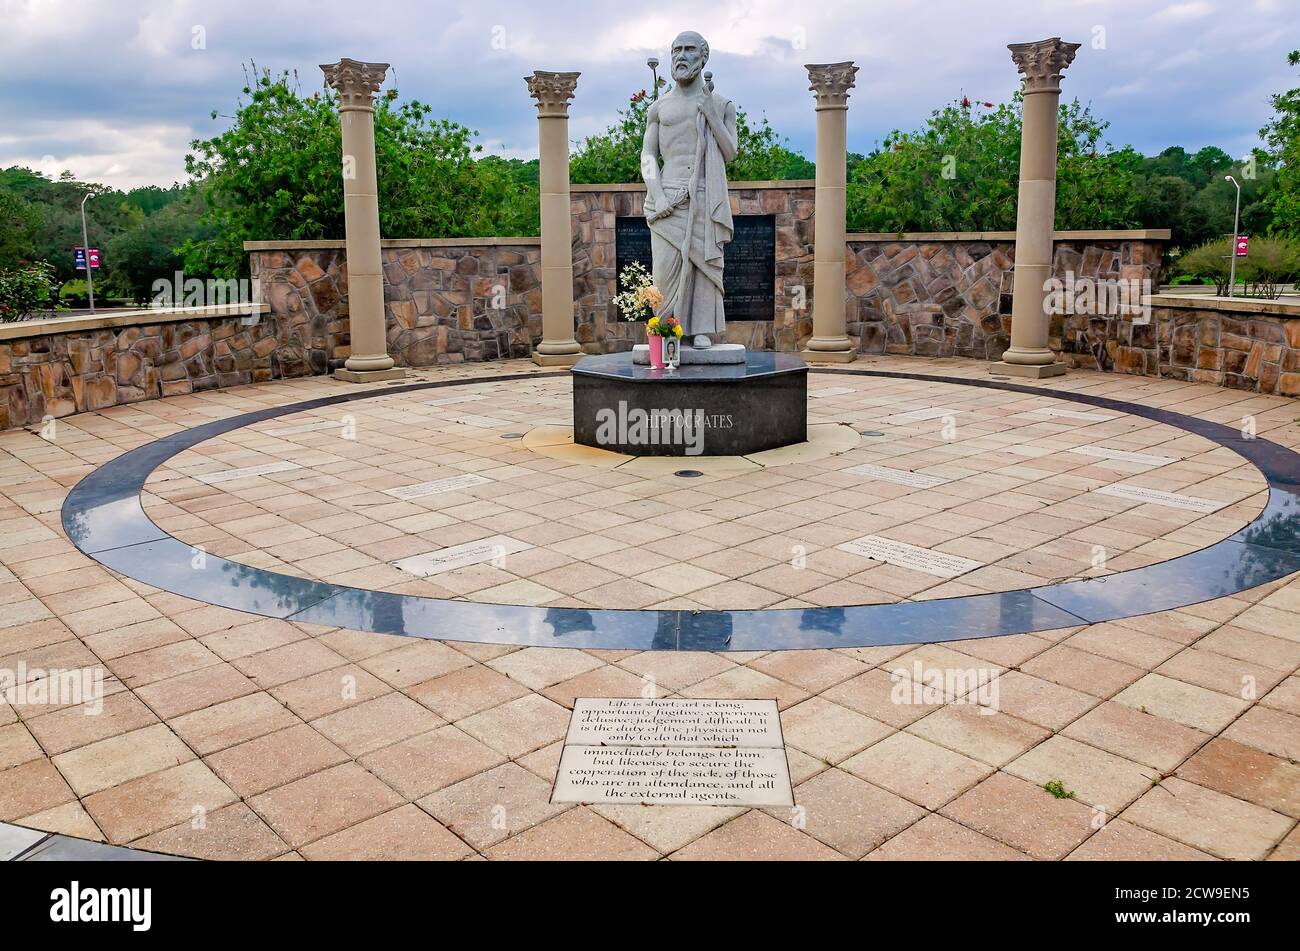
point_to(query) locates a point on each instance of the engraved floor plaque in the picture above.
(437, 487)
(917, 480)
(830, 391)
(461, 556)
(1171, 500)
(674, 775)
(940, 564)
(1123, 455)
(459, 398)
(230, 475)
(305, 428)
(674, 752)
(1072, 414)
(638, 722)
(920, 415)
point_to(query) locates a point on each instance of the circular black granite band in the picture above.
(104, 517)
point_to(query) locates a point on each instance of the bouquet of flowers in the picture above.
(640, 298)
(664, 327)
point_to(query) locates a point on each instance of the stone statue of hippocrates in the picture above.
(694, 132)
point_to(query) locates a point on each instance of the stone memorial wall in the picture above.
(454, 300)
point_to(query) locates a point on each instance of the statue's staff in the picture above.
(687, 288)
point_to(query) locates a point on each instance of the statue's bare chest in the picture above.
(677, 120)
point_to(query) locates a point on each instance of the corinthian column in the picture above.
(356, 83)
(829, 343)
(553, 92)
(1042, 64)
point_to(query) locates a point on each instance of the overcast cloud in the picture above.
(114, 89)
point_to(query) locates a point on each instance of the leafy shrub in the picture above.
(26, 289)
(1271, 263)
(1274, 262)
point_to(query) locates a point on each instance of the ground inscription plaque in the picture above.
(674, 752)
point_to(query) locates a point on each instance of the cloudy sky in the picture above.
(115, 89)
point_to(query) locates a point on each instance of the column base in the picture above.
(556, 359)
(1033, 372)
(828, 356)
(369, 376)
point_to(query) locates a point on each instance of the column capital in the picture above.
(831, 82)
(1042, 62)
(355, 82)
(552, 92)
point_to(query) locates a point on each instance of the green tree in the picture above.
(276, 173)
(1282, 135)
(56, 230)
(151, 249)
(19, 222)
(961, 171)
(615, 155)
(1188, 193)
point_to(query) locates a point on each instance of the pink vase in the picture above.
(656, 344)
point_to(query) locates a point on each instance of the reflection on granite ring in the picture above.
(104, 517)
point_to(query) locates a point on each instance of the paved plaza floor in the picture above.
(281, 732)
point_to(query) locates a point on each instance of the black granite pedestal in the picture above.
(698, 410)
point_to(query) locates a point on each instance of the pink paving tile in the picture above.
(575, 835)
(404, 834)
(756, 837)
(323, 803)
(1023, 815)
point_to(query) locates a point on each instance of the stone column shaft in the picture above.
(1042, 64)
(356, 83)
(829, 342)
(553, 92)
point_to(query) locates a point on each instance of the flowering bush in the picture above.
(25, 289)
(640, 298)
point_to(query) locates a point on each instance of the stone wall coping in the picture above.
(1136, 234)
(23, 329)
(731, 186)
(1156, 234)
(1236, 305)
(330, 244)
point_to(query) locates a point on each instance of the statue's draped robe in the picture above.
(692, 284)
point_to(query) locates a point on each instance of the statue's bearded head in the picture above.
(689, 53)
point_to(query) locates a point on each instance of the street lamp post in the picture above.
(1232, 245)
(85, 247)
(653, 63)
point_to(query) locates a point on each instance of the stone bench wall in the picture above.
(1242, 344)
(65, 366)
